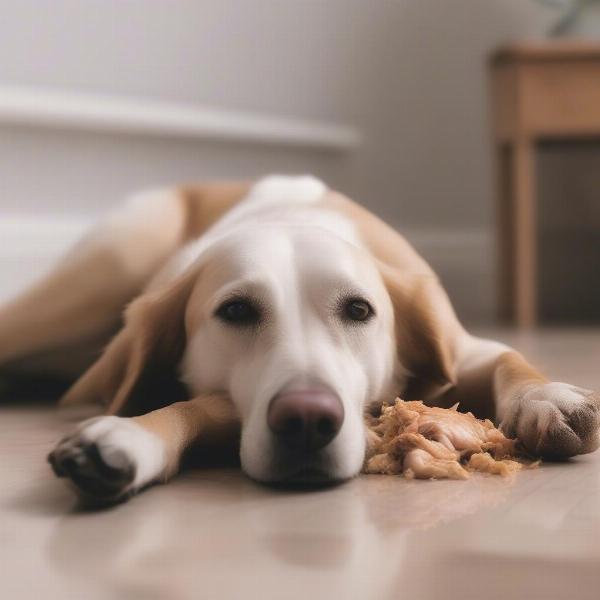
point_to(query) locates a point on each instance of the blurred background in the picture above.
(388, 101)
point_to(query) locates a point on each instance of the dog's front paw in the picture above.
(109, 458)
(555, 420)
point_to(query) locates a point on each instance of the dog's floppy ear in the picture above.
(423, 320)
(137, 372)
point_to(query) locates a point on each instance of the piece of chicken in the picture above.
(422, 442)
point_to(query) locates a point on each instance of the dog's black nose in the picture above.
(306, 420)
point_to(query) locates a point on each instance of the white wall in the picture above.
(409, 74)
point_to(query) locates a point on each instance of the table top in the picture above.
(547, 50)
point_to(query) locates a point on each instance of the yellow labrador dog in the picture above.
(280, 311)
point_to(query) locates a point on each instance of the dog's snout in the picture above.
(306, 420)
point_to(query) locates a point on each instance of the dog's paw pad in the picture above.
(95, 475)
(108, 459)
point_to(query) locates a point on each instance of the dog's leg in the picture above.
(110, 458)
(553, 420)
(83, 297)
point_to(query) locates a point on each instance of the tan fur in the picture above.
(141, 361)
(511, 369)
(209, 419)
(424, 345)
(478, 389)
(383, 241)
(205, 204)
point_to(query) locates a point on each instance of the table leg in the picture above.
(523, 176)
(505, 246)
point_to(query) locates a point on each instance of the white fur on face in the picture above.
(298, 274)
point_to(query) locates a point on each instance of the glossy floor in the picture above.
(214, 534)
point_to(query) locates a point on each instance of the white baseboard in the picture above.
(40, 107)
(462, 258)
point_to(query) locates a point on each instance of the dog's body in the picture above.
(282, 307)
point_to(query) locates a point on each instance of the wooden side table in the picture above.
(540, 91)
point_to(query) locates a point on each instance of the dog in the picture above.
(271, 315)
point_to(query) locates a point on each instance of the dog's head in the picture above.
(302, 329)
(297, 327)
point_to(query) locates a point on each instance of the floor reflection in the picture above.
(218, 530)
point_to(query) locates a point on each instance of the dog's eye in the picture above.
(238, 312)
(357, 310)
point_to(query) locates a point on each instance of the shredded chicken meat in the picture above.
(422, 442)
